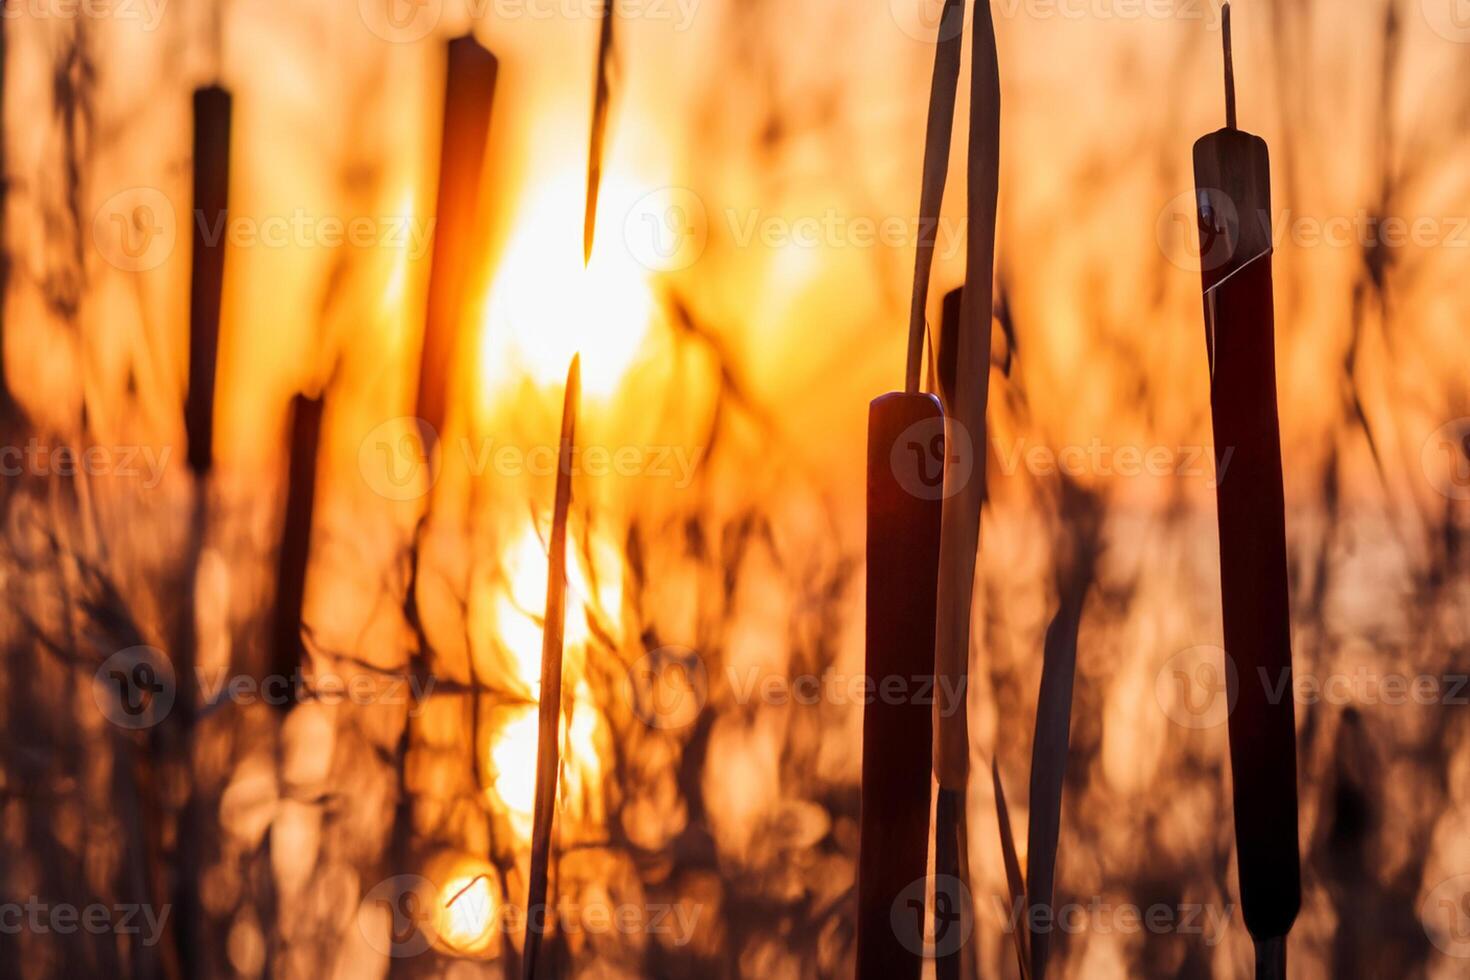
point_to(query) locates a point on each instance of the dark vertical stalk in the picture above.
(964, 492)
(213, 108)
(1233, 174)
(7, 403)
(208, 215)
(601, 95)
(287, 650)
(905, 474)
(548, 746)
(469, 91)
(937, 141)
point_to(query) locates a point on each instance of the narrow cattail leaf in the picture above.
(964, 489)
(210, 213)
(1233, 174)
(948, 346)
(469, 91)
(905, 470)
(937, 140)
(960, 535)
(1052, 736)
(1015, 883)
(601, 95)
(287, 652)
(548, 747)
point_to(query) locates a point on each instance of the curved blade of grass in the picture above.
(960, 525)
(1014, 882)
(937, 140)
(548, 748)
(601, 94)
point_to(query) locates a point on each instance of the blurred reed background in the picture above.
(744, 301)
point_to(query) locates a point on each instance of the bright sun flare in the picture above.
(544, 306)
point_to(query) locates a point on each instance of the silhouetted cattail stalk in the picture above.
(548, 744)
(1233, 185)
(213, 108)
(287, 650)
(7, 402)
(905, 480)
(964, 488)
(469, 91)
(209, 213)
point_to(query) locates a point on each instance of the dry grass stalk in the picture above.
(601, 95)
(548, 748)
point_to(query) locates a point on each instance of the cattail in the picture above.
(469, 91)
(905, 480)
(212, 113)
(306, 427)
(1233, 173)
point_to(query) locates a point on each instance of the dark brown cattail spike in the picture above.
(306, 427)
(469, 90)
(905, 478)
(1233, 179)
(210, 214)
(548, 747)
(1229, 68)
